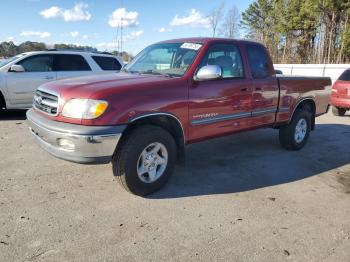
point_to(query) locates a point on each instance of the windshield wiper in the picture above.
(126, 71)
(129, 71)
(156, 73)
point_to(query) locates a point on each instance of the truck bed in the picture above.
(296, 88)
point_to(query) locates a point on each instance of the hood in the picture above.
(85, 86)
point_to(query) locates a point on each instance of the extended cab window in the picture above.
(107, 63)
(37, 63)
(70, 63)
(258, 61)
(228, 57)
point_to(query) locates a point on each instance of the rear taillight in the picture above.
(335, 88)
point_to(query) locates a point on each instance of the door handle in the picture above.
(48, 77)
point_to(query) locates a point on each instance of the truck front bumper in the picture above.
(75, 143)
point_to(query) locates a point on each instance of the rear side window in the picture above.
(107, 63)
(70, 63)
(37, 63)
(258, 61)
(345, 76)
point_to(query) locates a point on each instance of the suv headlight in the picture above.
(84, 108)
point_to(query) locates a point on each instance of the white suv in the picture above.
(22, 74)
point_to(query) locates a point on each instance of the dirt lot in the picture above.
(239, 198)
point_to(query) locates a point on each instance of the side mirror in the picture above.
(209, 72)
(17, 69)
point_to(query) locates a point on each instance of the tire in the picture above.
(289, 139)
(338, 111)
(130, 161)
(2, 102)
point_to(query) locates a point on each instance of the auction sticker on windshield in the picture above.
(192, 46)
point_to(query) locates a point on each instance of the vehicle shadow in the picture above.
(253, 160)
(13, 115)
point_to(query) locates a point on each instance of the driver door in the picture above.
(22, 85)
(220, 106)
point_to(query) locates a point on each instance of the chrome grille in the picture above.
(46, 102)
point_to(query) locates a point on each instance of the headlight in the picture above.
(84, 108)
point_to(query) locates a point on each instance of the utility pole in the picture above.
(121, 31)
(119, 39)
(121, 35)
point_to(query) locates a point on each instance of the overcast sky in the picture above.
(95, 23)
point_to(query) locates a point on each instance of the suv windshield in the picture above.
(345, 76)
(171, 59)
(6, 61)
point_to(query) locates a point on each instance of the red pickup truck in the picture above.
(173, 93)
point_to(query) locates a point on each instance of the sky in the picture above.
(95, 23)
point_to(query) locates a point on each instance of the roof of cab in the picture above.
(206, 40)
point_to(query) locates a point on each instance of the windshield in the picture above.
(345, 76)
(6, 61)
(172, 59)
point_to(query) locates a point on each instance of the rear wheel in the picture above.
(2, 102)
(145, 160)
(338, 111)
(295, 135)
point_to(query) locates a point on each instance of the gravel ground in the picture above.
(238, 198)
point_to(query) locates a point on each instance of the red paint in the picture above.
(341, 94)
(133, 95)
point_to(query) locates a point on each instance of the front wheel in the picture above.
(295, 135)
(145, 160)
(338, 111)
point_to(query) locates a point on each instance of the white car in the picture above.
(21, 75)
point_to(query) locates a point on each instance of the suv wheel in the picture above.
(338, 111)
(145, 160)
(295, 135)
(2, 102)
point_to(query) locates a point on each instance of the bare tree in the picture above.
(230, 27)
(215, 16)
